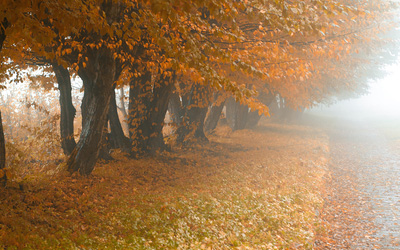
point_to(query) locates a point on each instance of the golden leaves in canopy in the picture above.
(284, 45)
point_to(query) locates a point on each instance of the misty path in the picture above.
(363, 204)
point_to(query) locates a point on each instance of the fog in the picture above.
(382, 102)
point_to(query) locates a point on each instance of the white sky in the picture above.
(383, 101)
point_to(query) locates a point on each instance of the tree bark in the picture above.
(122, 101)
(175, 108)
(104, 153)
(148, 104)
(195, 105)
(236, 114)
(67, 109)
(3, 179)
(3, 26)
(159, 107)
(253, 117)
(98, 78)
(139, 102)
(117, 138)
(214, 115)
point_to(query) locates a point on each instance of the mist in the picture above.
(381, 103)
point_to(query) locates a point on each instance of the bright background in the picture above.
(383, 100)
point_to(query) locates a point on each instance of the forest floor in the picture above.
(249, 189)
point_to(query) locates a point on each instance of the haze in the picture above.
(382, 102)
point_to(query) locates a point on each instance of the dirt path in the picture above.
(363, 201)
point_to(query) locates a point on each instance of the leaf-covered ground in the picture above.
(250, 189)
(363, 192)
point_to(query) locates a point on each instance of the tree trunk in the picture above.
(98, 78)
(4, 24)
(159, 107)
(104, 153)
(253, 117)
(3, 179)
(139, 101)
(236, 114)
(148, 105)
(214, 115)
(117, 138)
(67, 109)
(122, 101)
(195, 104)
(175, 108)
(198, 115)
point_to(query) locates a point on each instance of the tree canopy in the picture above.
(304, 51)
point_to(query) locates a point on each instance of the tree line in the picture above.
(191, 58)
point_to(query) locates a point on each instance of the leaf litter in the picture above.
(250, 189)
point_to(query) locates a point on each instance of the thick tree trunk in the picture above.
(159, 107)
(236, 114)
(193, 125)
(117, 138)
(253, 117)
(198, 115)
(195, 104)
(98, 78)
(104, 153)
(148, 105)
(67, 109)
(214, 115)
(140, 92)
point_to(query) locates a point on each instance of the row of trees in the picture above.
(189, 57)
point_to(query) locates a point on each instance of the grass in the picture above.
(244, 190)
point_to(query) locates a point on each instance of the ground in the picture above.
(319, 184)
(362, 204)
(249, 189)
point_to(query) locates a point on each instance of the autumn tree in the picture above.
(242, 49)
